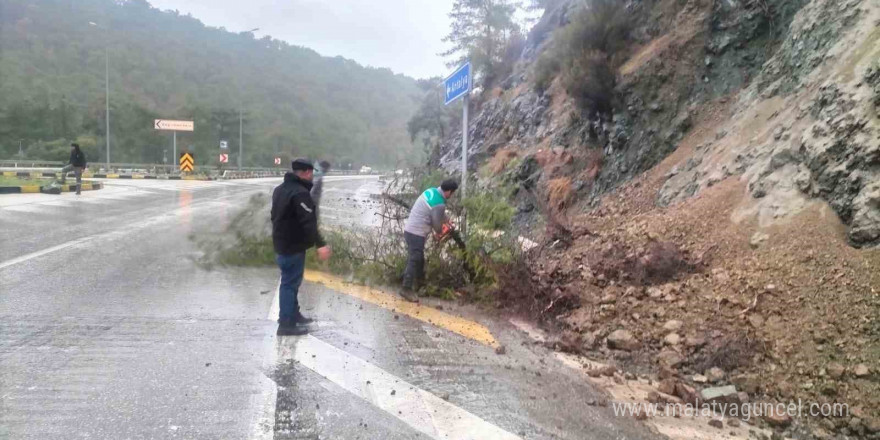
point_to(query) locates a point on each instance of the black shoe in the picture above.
(409, 295)
(291, 330)
(300, 319)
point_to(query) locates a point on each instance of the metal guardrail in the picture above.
(127, 168)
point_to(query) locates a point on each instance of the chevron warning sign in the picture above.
(186, 161)
(277, 161)
(224, 158)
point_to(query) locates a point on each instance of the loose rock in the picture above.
(673, 325)
(861, 370)
(669, 358)
(715, 374)
(727, 394)
(666, 386)
(623, 340)
(672, 339)
(835, 370)
(778, 420)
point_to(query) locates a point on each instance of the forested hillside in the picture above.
(167, 65)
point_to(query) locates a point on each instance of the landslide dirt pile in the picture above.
(720, 225)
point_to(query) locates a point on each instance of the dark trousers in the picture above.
(415, 261)
(77, 171)
(292, 270)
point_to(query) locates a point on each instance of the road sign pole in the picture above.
(458, 85)
(174, 154)
(107, 99)
(464, 160)
(464, 146)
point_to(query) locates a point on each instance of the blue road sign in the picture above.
(458, 84)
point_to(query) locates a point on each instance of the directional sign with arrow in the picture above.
(170, 125)
(187, 162)
(224, 158)
(277, 161)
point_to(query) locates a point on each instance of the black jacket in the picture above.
(77, 159)
(294, 217)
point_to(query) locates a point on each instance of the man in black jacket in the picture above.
(294, 230)
(77, 163)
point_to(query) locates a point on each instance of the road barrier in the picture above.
(27, 189)
(150, 171)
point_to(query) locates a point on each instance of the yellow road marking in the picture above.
(137, 176)
(9, 174)
(455, 324)
(87, 186)
(35, 174)
(113, 176)
(30, 189)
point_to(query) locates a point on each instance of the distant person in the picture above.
(76, 163)
(318, 181)
(294, 230)
(427, 214)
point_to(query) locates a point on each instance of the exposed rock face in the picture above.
(822, 142)
(822, 139)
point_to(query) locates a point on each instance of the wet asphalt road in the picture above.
(109, 330)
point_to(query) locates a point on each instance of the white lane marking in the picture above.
(414, 406)
(36, 254)
(263, 423)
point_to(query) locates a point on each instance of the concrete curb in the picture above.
(34, 189)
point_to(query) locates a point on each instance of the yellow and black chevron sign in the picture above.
(186, 162)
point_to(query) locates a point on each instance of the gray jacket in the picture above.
(428, 213)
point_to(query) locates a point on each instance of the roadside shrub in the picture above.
(378, 255)
(590, 80)
(560, 193)
(582, 52)
(545, 70)
(598, 25)
(489, 211)
(500, 161)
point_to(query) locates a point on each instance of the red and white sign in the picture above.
(165, 124)
(224, 158)
(277, 161)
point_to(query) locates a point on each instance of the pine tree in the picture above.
(481, 31)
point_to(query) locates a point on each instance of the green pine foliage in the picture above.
(483, 32)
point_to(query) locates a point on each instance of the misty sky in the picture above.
(403, 35)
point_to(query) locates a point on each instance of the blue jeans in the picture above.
(292, 269)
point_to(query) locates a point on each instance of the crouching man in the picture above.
(427, 214)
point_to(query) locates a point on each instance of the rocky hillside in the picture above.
(724, 214)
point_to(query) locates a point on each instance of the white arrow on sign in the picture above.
(171, 125)
(224, 158)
